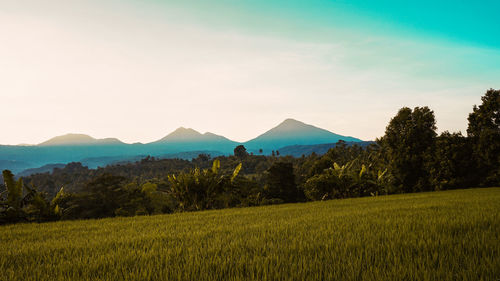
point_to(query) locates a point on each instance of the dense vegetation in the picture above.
(410, 157)
(449, 235)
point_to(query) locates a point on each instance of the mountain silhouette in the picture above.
(183, 142)
(78, 139)
(189, 135)
(187, 139)
(293, 132)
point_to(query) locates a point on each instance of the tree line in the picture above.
(410, 157)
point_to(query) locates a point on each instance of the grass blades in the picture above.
(450, 235)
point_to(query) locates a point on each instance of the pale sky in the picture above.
(137, 70)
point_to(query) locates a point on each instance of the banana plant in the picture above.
(235, 172)
(11, 210)
(14, 189)
(199, 189)
(21, 202)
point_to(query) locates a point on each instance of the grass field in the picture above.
(451, 235)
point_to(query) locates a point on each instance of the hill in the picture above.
(450, 235)
(13, 164)
(44, 169)
(95, 162)
(293, 132)
(319, 149)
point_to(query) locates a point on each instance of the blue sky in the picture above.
(467, 22)
(137, 70)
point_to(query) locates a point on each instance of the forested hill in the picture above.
(320, 149)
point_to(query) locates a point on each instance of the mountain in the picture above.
(189, 135)
(182, 134)
(293, 132)
(183, 143)
(187, 139)
(319, 149)
(78, 139)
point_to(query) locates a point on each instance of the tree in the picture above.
(484, 130)
(451, 165)
(281, 182)
(203, 157)
(240, 151)
(104, 195)
(408, 142)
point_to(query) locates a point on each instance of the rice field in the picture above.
(450, 235)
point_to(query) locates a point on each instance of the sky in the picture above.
(137, 70)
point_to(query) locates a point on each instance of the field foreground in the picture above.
(451, 235)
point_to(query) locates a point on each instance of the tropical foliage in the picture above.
(409, 157)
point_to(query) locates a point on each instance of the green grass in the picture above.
(451, 235)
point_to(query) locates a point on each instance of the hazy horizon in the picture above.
(181, 128)
(137, 70)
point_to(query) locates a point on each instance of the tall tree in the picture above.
(105, 195)
(281, 182)
(408, 141)
(484, 130)
(452, 166)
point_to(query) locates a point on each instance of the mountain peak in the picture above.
(182, 134)
(291, 124)
(77, 139)
(294, 132)
(185, 131)
(291, 120)
(69, 139)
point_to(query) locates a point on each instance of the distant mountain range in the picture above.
(182, 143)
(79, 139)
